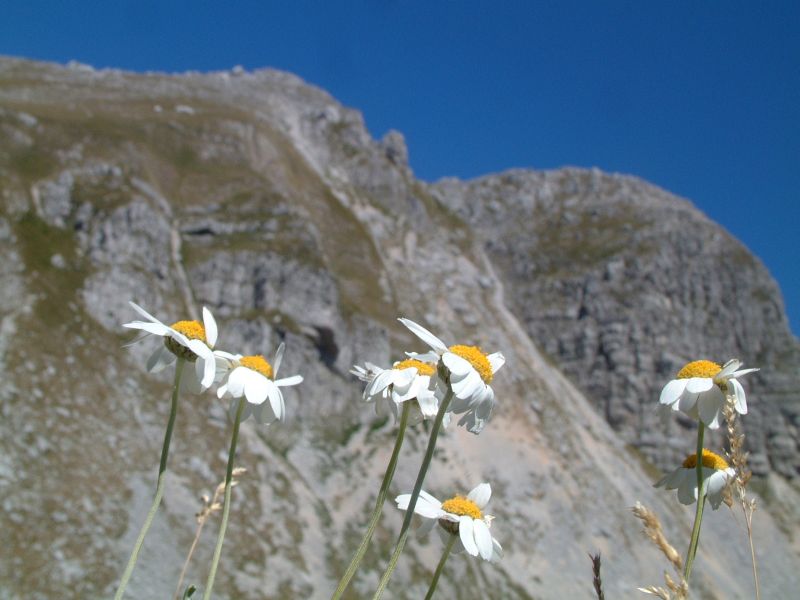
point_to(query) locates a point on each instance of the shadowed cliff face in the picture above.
(265, 200)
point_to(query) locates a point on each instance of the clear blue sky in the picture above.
(702, 98)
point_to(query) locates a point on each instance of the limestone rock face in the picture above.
(266, 200)
(622, 284)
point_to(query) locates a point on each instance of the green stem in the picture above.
(162, 469)
(701, 501)
(440, 566)
(226, 508)
(412, 503)
(387, 480)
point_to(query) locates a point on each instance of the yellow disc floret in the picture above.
(193, 330)
(711, 460)
(257, 363)
(475, 356)
(699, 368)
(422, 368)
(460, 506)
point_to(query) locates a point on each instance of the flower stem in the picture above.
(226, 508)
(162, 469)
(412, 503)
(440, 566)
(701, 501)
(387, 480)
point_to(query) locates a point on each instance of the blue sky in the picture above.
(702, 98)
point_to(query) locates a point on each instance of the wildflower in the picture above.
(460, 516)
(253, 378)
(700, 388)
(471, 372)
(407, 380)
(716, 474)
(191, 340)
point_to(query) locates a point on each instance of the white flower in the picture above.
(460, 516)
(700, 388)
(253, 378)
(470, 373)
(716, 474)
(191, 340)
(407, 380)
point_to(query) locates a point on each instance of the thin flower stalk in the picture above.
(426, 461)
(376, 513)
(738, 458)
(162, 469)
(210, 507)
(227, 503)
(701, 501)
(440, 567)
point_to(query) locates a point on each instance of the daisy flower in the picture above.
(716, 474)
(470, 373)
(460, 516)
(700, 388)
(253, 378)
(191, 340)
(407, 380)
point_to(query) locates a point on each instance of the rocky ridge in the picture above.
(266, 200)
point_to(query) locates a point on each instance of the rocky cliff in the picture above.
(264, 199)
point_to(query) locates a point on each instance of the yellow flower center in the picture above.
(257, 363)
(699, 368)
(422, 368)
(711, 460)
(462, 506)
(192, 330)
(475, 356)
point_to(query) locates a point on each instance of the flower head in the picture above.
(470, 371)
(191, 340)
(700, 388)
(253, 378)
(462, 516)
(716, 474)
(406, 380)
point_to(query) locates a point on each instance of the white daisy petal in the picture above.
(467, 535)
(159, 359)
(276, 364)
(289, 381)
(709, 406)
(256, 387)
(154, 328)
(740, 401)
(142, 312)
(430, 499)
(210, 325)
(728, 369)
(425, 335)
(697, 385)
(483, 539)
(480, 495)
(275, 400)
(672, 391)
(497, 550)
(457, 365)
(496, 360)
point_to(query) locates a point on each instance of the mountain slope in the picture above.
(266, 200)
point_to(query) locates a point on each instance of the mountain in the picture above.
(266, 200)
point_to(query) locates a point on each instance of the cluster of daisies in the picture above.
(249, 377)
(700, 390)
(425, 378)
